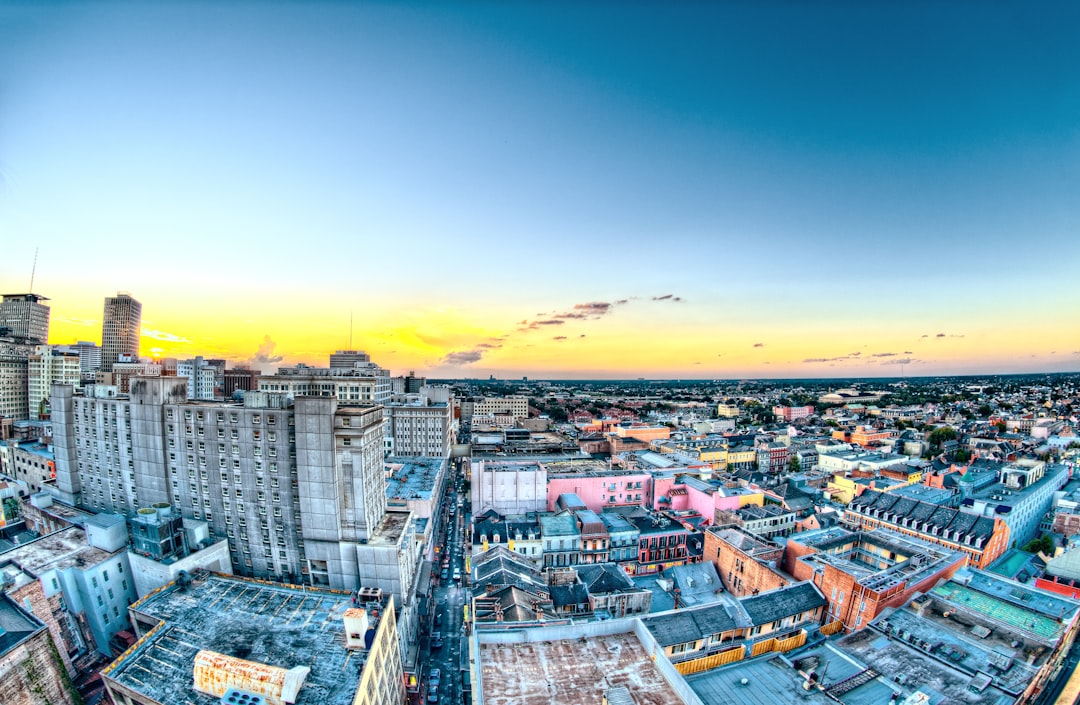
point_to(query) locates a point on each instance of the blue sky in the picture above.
(820, 173)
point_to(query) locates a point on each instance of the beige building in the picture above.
(46, 366)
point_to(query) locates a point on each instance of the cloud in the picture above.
(490, 346)
(759, 345)
(908, 352)
(811, 360)
(560, 338)
(595, 307)
(88, 322)
(924, 335)
(667, 297)
(582, 335)
(940, 335)
(163, 336)
(900, 361)
(620, 302)
(265, 353)
(889, 354)
(463, 357)
(948, 335)
(855, 354)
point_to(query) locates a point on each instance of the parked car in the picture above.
(434, 678)
(445, 573)
(436, 640)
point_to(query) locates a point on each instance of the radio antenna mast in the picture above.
(33, 271)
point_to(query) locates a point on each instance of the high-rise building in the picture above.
(14, 356)
(201, 377)
(120, 329)
(48, 365)
(89, 357)
(24, 317)
(297, 488)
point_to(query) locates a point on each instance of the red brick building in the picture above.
(745, 563)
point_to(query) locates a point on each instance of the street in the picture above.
(444, 633)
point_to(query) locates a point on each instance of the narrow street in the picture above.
(442, 650)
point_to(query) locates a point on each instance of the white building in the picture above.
(418, 427)
(46, 366)
(508, 487)
(201, 377)
(365, 384)
(120, 329)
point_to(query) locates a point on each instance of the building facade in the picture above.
(24, 317)
(120, 329)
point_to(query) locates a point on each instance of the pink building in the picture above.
(790, 413)
(689, 492)
(599, 490)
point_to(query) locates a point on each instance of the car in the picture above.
(434, 677)
(457, 574)
(433, 695)
(436, 640)
(445, 573)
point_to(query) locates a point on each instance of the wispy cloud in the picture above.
(559, 338)
(163, 336)
(885, 354)
(759, 345)
(900, 361)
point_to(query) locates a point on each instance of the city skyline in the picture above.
(676, 191)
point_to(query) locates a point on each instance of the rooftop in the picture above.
(412, 478)
(59, 550)
(276, 625)
(577, 670)
(774, 679)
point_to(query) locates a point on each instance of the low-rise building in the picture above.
(205, 636)
(746, 564)
(982, 539)
(31, 672)
(974, 638)
(862, 573)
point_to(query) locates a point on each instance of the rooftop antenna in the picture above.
(33, 271)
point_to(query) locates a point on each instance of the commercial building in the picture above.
(14, 378)
(207, 635)
(746, 564)
(982, 539)
(974, 638)
(419, 427)
(367, 383)
(508, 487)
(862, 573)
(46, 366)
(202, 377)
(120, 329)
(790, 413)
(24, 317)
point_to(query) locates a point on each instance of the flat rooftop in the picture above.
(389, 529)
(571, 671)
(412, 478)
(62, 549)
(774, 679)
(276, 625)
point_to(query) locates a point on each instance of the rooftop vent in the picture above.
(238, 697)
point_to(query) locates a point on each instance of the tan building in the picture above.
(745, 563)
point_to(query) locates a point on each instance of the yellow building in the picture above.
(727, 411)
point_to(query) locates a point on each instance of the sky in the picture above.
(559, 189)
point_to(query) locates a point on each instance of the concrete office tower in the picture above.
(48, 365)
(120, 329)
(24, 317)
(347, 359)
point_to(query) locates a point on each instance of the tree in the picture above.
(1043, 544)
(793, 464)
(984, 410)
(940, 435)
